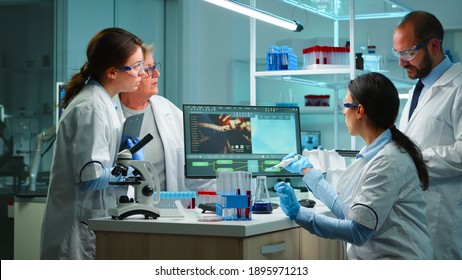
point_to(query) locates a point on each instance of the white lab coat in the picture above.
(169, 121)
(384, 194)
(436, 125)
(89, 130)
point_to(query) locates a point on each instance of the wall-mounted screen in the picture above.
(233, 138)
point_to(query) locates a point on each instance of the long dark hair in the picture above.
(379, 97)
(110, 47)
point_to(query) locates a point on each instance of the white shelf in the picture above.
(323, 78)
(307, 72)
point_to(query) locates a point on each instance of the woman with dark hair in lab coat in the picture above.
(87, 143)
(379, 200)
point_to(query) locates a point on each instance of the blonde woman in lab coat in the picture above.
(87, 143)
(435, 125)
(379, 201)
(164, 121)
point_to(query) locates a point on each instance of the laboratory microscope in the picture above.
(144, 180)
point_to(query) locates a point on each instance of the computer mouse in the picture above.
(308, 203)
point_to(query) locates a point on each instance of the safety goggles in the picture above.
(150, 70)
(137, 67)
(409, 54)
(347, 104)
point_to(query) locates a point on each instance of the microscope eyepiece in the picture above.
(146, 139)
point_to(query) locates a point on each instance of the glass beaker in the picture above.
(262, 203)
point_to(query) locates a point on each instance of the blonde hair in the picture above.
(147, 48)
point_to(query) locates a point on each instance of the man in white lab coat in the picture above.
(435, 124)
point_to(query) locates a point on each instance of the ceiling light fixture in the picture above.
(258, 14)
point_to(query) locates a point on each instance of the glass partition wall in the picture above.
(26, 89)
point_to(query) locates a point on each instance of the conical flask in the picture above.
(262, 203)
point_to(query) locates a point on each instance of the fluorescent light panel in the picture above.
(253, 12)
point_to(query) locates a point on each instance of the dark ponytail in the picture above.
(380, 100)
(74, 86)
(411, 148)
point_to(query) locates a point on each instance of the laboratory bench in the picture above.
(265, 236)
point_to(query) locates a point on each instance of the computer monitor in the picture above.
(239, 138)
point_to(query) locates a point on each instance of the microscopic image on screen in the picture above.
(239, 138)
(220, 133)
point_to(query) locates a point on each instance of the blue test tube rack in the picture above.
(234, 206)
(167, 200)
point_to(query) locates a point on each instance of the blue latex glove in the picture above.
(138, 155)
(323, 191)
(299, 165)
(289, 202)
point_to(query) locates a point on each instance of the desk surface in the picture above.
(260, 224)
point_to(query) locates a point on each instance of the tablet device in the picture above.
(132, 128)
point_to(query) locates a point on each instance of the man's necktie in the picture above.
(415, 97)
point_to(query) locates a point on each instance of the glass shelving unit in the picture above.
(329, 77)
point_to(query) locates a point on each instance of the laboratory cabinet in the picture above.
(277, 245)
(265, 237)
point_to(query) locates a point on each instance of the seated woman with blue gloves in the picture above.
(379, 201)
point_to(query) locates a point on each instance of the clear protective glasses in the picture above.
(347, 104)
(409, 54)
(150, 70)
(138, 67)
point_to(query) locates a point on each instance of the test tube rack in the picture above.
(234, 206)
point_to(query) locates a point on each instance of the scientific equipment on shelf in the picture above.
(315, 100)
(359, 61)
(281, 58)
(262, 203)
(144, 180)
(325, 55)
(372, 62)
(371, 49)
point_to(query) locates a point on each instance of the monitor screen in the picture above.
(239, 138)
